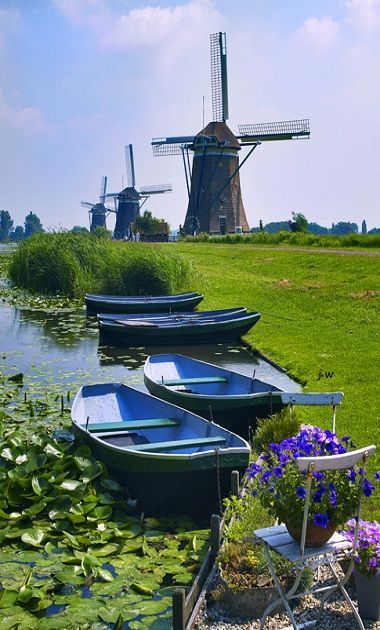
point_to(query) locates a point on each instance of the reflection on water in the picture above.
(61, 350)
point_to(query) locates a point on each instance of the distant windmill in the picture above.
(213, 185)
(98, 211)
(128, 200)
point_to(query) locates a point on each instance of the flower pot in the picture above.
(315, 535)
(368, 594)
(247, 603)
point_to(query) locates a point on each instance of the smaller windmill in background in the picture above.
(128, 201)
(98, 212)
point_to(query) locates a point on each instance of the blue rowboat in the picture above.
(173, 330)
(234, 400)
(138, 304)
(167, 457)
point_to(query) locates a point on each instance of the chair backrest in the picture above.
(313, 399)
(335, 462)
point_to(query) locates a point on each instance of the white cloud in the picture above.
(140, 27)
(29, 118)
(364, 14)
(321, 33)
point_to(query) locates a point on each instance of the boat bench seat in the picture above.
(129, 425)
(195, 381)
(177, 444)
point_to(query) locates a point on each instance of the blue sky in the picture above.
(79, 79)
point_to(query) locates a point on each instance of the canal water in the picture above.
(60, 351)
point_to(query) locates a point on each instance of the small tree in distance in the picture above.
(299, 222)
(364, 227)
(32, 224)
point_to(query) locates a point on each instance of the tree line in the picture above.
(299, 223)
(31, 225)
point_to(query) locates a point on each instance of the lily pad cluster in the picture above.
(72, 553)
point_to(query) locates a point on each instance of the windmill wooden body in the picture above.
(98, 212)
(215, 201)
(129, 200)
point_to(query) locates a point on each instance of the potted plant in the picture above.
(281, 487)
(367, 567)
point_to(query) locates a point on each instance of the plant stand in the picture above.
(368, 594)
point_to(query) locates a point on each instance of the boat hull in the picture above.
(220, 331)
(236, 414)
(166, 457)
(155, 304)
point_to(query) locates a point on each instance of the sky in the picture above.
(80, 79)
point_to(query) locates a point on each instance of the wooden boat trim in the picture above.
(149, 423)
(159, 456)
(178, 444)
(194, 381)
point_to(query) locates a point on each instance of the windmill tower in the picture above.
(215, 201)
(98, 211)
(128, 200)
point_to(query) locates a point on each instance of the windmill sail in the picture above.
(219, 89)
(130, 166)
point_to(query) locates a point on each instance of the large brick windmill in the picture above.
(213, 184)
(128, 201)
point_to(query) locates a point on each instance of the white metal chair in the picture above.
(338, 548)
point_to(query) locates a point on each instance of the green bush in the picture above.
(303, 239)
(275, 429)
(72, 263)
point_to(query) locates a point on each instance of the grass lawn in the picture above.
(319, 312)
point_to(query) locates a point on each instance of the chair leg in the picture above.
(340, 585)
(283, 596)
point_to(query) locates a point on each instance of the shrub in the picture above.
(73, 263)
(275, 429)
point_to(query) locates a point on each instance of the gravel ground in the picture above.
(337, 614)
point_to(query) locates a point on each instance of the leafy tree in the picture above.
(6, 224)
(298, 223)
(18, 234)
(315, 228)
(276, 226)
(261, 227)
(344, 227)
(374, 231)
(364, 227)
(79, 229)
(32, 224)
(148, 224)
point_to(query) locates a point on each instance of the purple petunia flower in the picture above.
(321, 519)
(368, 487)
(301, 492)
(277, 471)
(377, 475)
(253, 470)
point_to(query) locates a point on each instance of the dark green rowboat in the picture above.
(167, 457)
(172, 329)
(234, 400)
(141, 304)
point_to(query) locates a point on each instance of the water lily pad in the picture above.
(33, 537)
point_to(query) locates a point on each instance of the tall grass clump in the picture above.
(73, 264)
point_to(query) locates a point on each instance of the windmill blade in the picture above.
(131, 181)
(284, 130)
(171, 146)
(155, 190)
(219, 88)
(113, 195)
(87, 204)
(103, 188)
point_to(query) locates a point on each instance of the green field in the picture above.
(320, 312)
